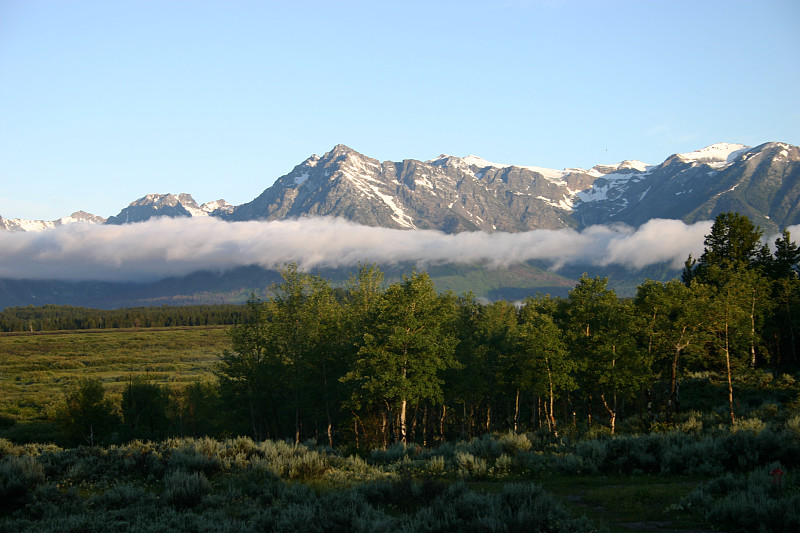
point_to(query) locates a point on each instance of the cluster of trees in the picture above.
(373, 364)
(66, 317)
(145, 410)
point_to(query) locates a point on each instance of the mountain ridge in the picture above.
(454, 194)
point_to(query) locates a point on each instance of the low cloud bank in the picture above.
(173, 247)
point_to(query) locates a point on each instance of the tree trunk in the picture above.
(414, 423)
(327, 404)
(403, 403)
(441, 422)
(296, 417)
(730, 381)
(589, 410)
(383, 427)
(753, 331)
(612, 412)
(673, 403)
(552, 400)
(355, 429)
(425, 425)
(516, 412)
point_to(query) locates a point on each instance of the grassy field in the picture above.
(627, 503)
(36, 370)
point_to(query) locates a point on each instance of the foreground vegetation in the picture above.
(506, 482)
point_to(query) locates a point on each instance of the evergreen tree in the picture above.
(734, 243)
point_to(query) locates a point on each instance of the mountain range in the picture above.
(455, 194)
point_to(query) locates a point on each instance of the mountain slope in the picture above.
(454, 194)
(449, 193)
(762, 183)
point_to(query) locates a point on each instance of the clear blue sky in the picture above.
(102, 102)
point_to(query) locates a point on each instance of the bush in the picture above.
(513, 443)
(470, 466)
(748, 502)
(18, 476)
(184, 490)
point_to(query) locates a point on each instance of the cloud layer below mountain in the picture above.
(173, 247)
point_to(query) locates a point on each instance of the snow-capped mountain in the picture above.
(455, 194)
(448, 193)
(20, 224)
(169, 205)
(762, 183)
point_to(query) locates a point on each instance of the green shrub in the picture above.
(470, 466)
(519, 507)
(513, 443)
(754, 425)
(184, 490)
(793, 425)
(18, 477)
(755, 501)
(485, 447)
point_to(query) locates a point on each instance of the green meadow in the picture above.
(37, 369)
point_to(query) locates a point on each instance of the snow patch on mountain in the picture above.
(717, 156)
(301, 179)
(549, 173)
(21, 224)
(610, 186)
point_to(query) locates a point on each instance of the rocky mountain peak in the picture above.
(454, 194)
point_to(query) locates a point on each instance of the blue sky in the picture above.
(103, 102)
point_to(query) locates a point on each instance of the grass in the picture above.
(627, 503)
(36, 370)
(620, 503)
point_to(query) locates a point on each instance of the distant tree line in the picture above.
(370, 364)
(65, 317)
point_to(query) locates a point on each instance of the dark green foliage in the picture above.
(18, 477)
(184, 490)
(408, 344)
(87, 416)
(65, 317)
(144, 410)
(519, 507)
(732, 245)
(756, 501)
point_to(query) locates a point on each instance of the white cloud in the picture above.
(172, 247)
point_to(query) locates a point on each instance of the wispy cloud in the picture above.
(172, 247)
